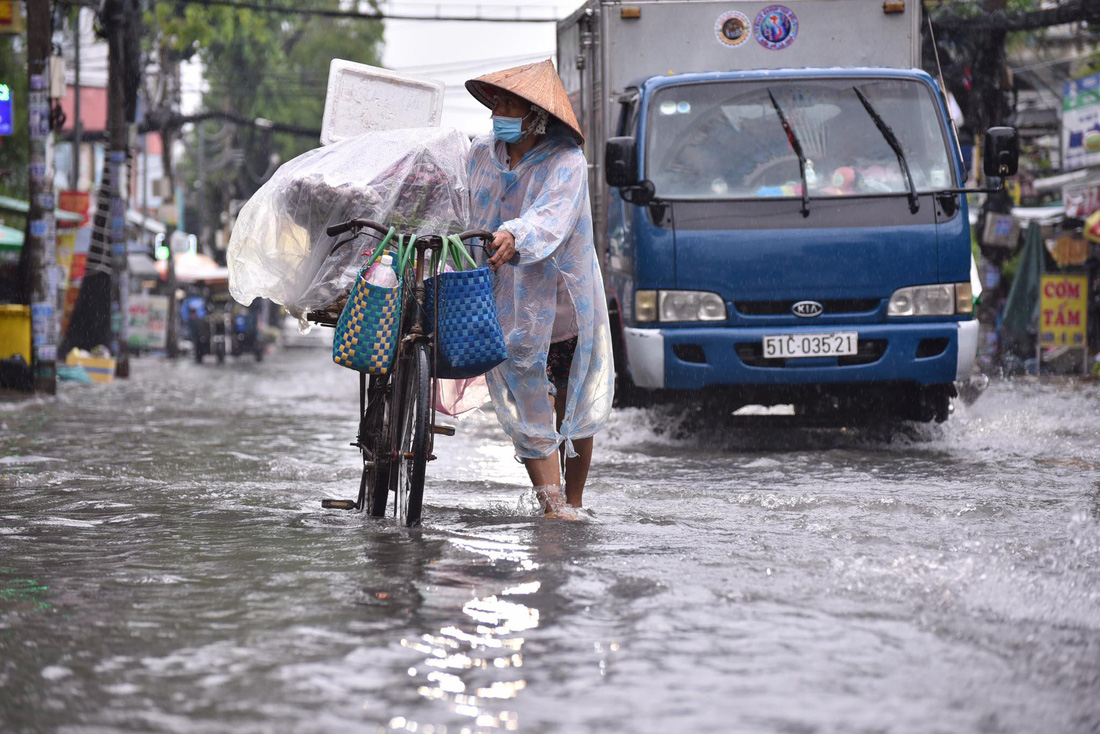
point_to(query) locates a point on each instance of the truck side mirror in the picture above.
(1001, 152)
(621, 162)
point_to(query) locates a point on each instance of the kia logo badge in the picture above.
(807, 309)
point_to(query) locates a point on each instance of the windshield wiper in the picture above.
(892, 140)
(797, 147)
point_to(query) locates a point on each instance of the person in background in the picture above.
(193, 310)
(528, 184)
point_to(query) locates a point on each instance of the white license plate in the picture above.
(790, 346)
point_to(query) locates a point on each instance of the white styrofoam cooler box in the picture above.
(362, 98)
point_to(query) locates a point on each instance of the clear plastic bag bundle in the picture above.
(413, 179)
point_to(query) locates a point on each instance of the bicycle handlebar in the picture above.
(338, 229)
(476, 234)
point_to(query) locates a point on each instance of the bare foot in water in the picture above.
(553, 503)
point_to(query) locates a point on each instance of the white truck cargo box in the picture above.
(604, 46)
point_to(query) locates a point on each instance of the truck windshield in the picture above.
(720, 140)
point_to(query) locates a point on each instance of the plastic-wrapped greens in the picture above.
(413, 179)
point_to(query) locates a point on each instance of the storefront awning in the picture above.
(1044, 215)
(149, 224)
(142, 266)
(11, 239)
(18, 206)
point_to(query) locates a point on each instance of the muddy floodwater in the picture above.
(165, 566)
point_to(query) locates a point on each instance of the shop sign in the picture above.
(11, 17)
(1063, 300)
(1001, 230)
(1071, 250)
(7, 117)
(148, 321)
(1081, 122)
(1081, 200)
(75, 201)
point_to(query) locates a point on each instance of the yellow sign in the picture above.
(11, 17)
(1071, 250)
(1063, 301)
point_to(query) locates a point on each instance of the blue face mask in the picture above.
(508, 129)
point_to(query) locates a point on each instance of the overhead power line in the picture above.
(459, 66)
(361, 16)
(171, 120)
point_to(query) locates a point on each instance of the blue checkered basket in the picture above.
(367, 331)
(469, 340)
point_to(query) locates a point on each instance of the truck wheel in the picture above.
(940, 402)
(627, 394)
(932, 403)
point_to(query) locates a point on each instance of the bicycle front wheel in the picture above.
(413, 400)
(374, 435)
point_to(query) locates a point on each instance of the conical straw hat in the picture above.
(537, 83)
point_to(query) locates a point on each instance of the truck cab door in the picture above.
(621, 213)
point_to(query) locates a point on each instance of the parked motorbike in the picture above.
(244, 328)
(228, 329)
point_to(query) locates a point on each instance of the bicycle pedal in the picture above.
(339, 504)
(443, 430)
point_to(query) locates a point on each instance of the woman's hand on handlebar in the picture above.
(503, 248)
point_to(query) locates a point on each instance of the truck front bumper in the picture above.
(926, 353)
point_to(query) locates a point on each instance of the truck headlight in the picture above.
(678, 306)
(944, 299)
(690, 306)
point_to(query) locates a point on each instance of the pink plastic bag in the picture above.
(454, 397)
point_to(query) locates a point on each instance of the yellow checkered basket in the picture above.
(367, 330)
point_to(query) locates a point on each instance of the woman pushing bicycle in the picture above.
(528, 185)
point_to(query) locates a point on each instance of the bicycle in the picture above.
(397, 423)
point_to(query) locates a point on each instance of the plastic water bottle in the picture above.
(381, 273)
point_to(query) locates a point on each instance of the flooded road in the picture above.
(165, 566)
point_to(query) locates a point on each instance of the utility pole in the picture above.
(201, 229)
(39, 254)
(169, 70)
(116, 23)
(75, 183)
(102, 309)
(992, 68)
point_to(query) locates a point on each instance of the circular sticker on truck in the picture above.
(732, 28)
(775, 27)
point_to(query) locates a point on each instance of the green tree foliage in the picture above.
(974, 39)
(258, 65)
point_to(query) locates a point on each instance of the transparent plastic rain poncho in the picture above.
(544, 203)
(414, 179)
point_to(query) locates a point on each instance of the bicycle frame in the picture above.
(390, 392)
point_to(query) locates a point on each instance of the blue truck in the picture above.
(778, 203)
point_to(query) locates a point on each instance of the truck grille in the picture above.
(868, 351)
(783, 308)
